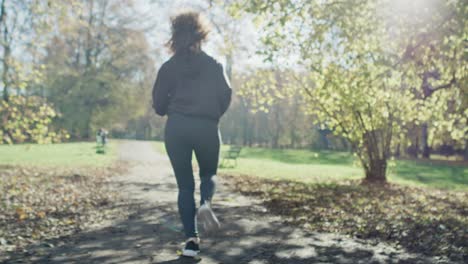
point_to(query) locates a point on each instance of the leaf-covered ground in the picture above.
(39, 204)
(432, 222)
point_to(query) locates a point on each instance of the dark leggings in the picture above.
(184, 135)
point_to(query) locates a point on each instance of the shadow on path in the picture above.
(151, 235)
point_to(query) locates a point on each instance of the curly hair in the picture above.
(188, 32)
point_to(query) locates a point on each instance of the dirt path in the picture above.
(151, 234)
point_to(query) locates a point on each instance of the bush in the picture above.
(28, 119)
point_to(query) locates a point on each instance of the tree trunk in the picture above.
(277, 127)
(89, 37)
(377, 171)
(324, 143)
(6, 51)
(413, 149)
(465, 154)
(426, 151)
(375, 161)
(250, 138)
(292, 143)
(89, 134)
(6, 56)
(275, 141)
(397, 151)
(245, 125)
(293, 133)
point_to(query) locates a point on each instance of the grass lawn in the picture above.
(64, 154)
(325, 166)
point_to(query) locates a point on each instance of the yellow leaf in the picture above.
(21, 214)
(41, 214)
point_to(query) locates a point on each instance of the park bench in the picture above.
(229, 157)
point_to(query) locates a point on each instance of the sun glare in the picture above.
(413, 7)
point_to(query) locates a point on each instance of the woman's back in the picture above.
(195, 85)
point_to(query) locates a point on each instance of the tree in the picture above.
(100, 67)
(28, 120)
(360, 78)
(435, 50)
(22, 27)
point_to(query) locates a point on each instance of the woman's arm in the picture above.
(225, 90)
(161, 91)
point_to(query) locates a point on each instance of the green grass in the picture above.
(327, 166)
(427, 173)
(64, 154)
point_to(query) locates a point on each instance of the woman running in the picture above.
(192, 90)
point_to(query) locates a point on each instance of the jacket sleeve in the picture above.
(225, 91)
(161, 92)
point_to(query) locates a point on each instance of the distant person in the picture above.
(102, 136)
(99, 136)
(192, 90)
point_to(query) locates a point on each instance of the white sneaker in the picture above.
(192, 247)
(207, 218)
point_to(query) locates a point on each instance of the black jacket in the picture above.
(192, 84)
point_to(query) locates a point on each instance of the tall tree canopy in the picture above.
(24, 27)
(100, 67)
